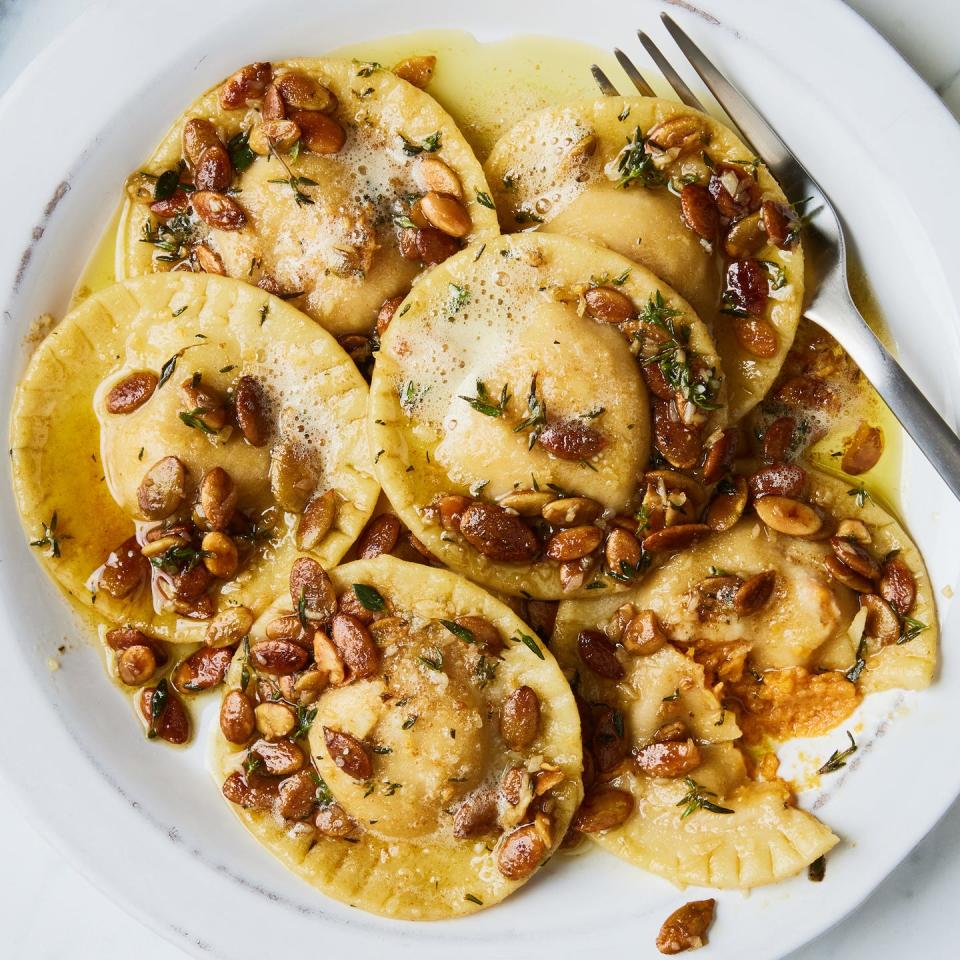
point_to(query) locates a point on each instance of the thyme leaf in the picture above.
(369, 597)
(529, 643)
(461, 633)
(241, 156)
(158, 703)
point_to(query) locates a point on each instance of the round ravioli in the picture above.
(822, 579)
(399, 739)
(509, 418)
(177, 439)
(328, 182)
(812, 598)
(668, 788)
(676, 191)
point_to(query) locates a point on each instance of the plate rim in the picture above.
(110, 884)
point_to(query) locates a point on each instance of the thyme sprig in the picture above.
(859, 494)
(429, 144)
(293, 181)
(194, 419)
(182, 558)
(485, 404)
(49, 537)
(910, 629)
(172, 237)
(697, 798)
(536, 418)
(432, 658)
(838, 758)
(635, 164)
(672, 355)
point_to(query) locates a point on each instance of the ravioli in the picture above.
(413, 751)
(188, 434)
(667, 787)
(676, 191)
(509, 417)
(328, 182)
(750, 598)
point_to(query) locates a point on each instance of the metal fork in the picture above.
(829, 302)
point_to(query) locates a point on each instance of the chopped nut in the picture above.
(274, 720)
(643, 634)
(161, 490)
(237, 717)
(447, 214)
(220, 555)
(433, 174)
(605, 808)
(316, 520)
(497, 534)
(520, 718)
(670, 758)
(520, 852)
(608, 305)
(136, 664)
(217, 210)
(897, 585)
(598, 653)
(754, 593)
(416, 70)
(131, 392)
(786, 515)
(281, 758)
(571, 511)
(686, 928)
(246, 85)
(348, 753)
(574, 543)
(882, 622)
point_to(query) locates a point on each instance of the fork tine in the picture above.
(754, 129)
(603, 82)
(685, 94)
(633, 73)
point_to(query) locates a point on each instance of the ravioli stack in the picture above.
(553, 460)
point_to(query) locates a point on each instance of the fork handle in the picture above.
(936, 440)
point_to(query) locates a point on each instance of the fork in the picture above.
(830, 304)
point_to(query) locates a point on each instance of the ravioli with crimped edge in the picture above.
(802, 594)
(328, 182)
(805, 596)
(176, 441)
(667, 787)
(675, 190)
(510, 410)
(400, 739)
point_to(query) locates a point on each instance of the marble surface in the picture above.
(84, 923)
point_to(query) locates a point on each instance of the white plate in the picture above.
(146, 823)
